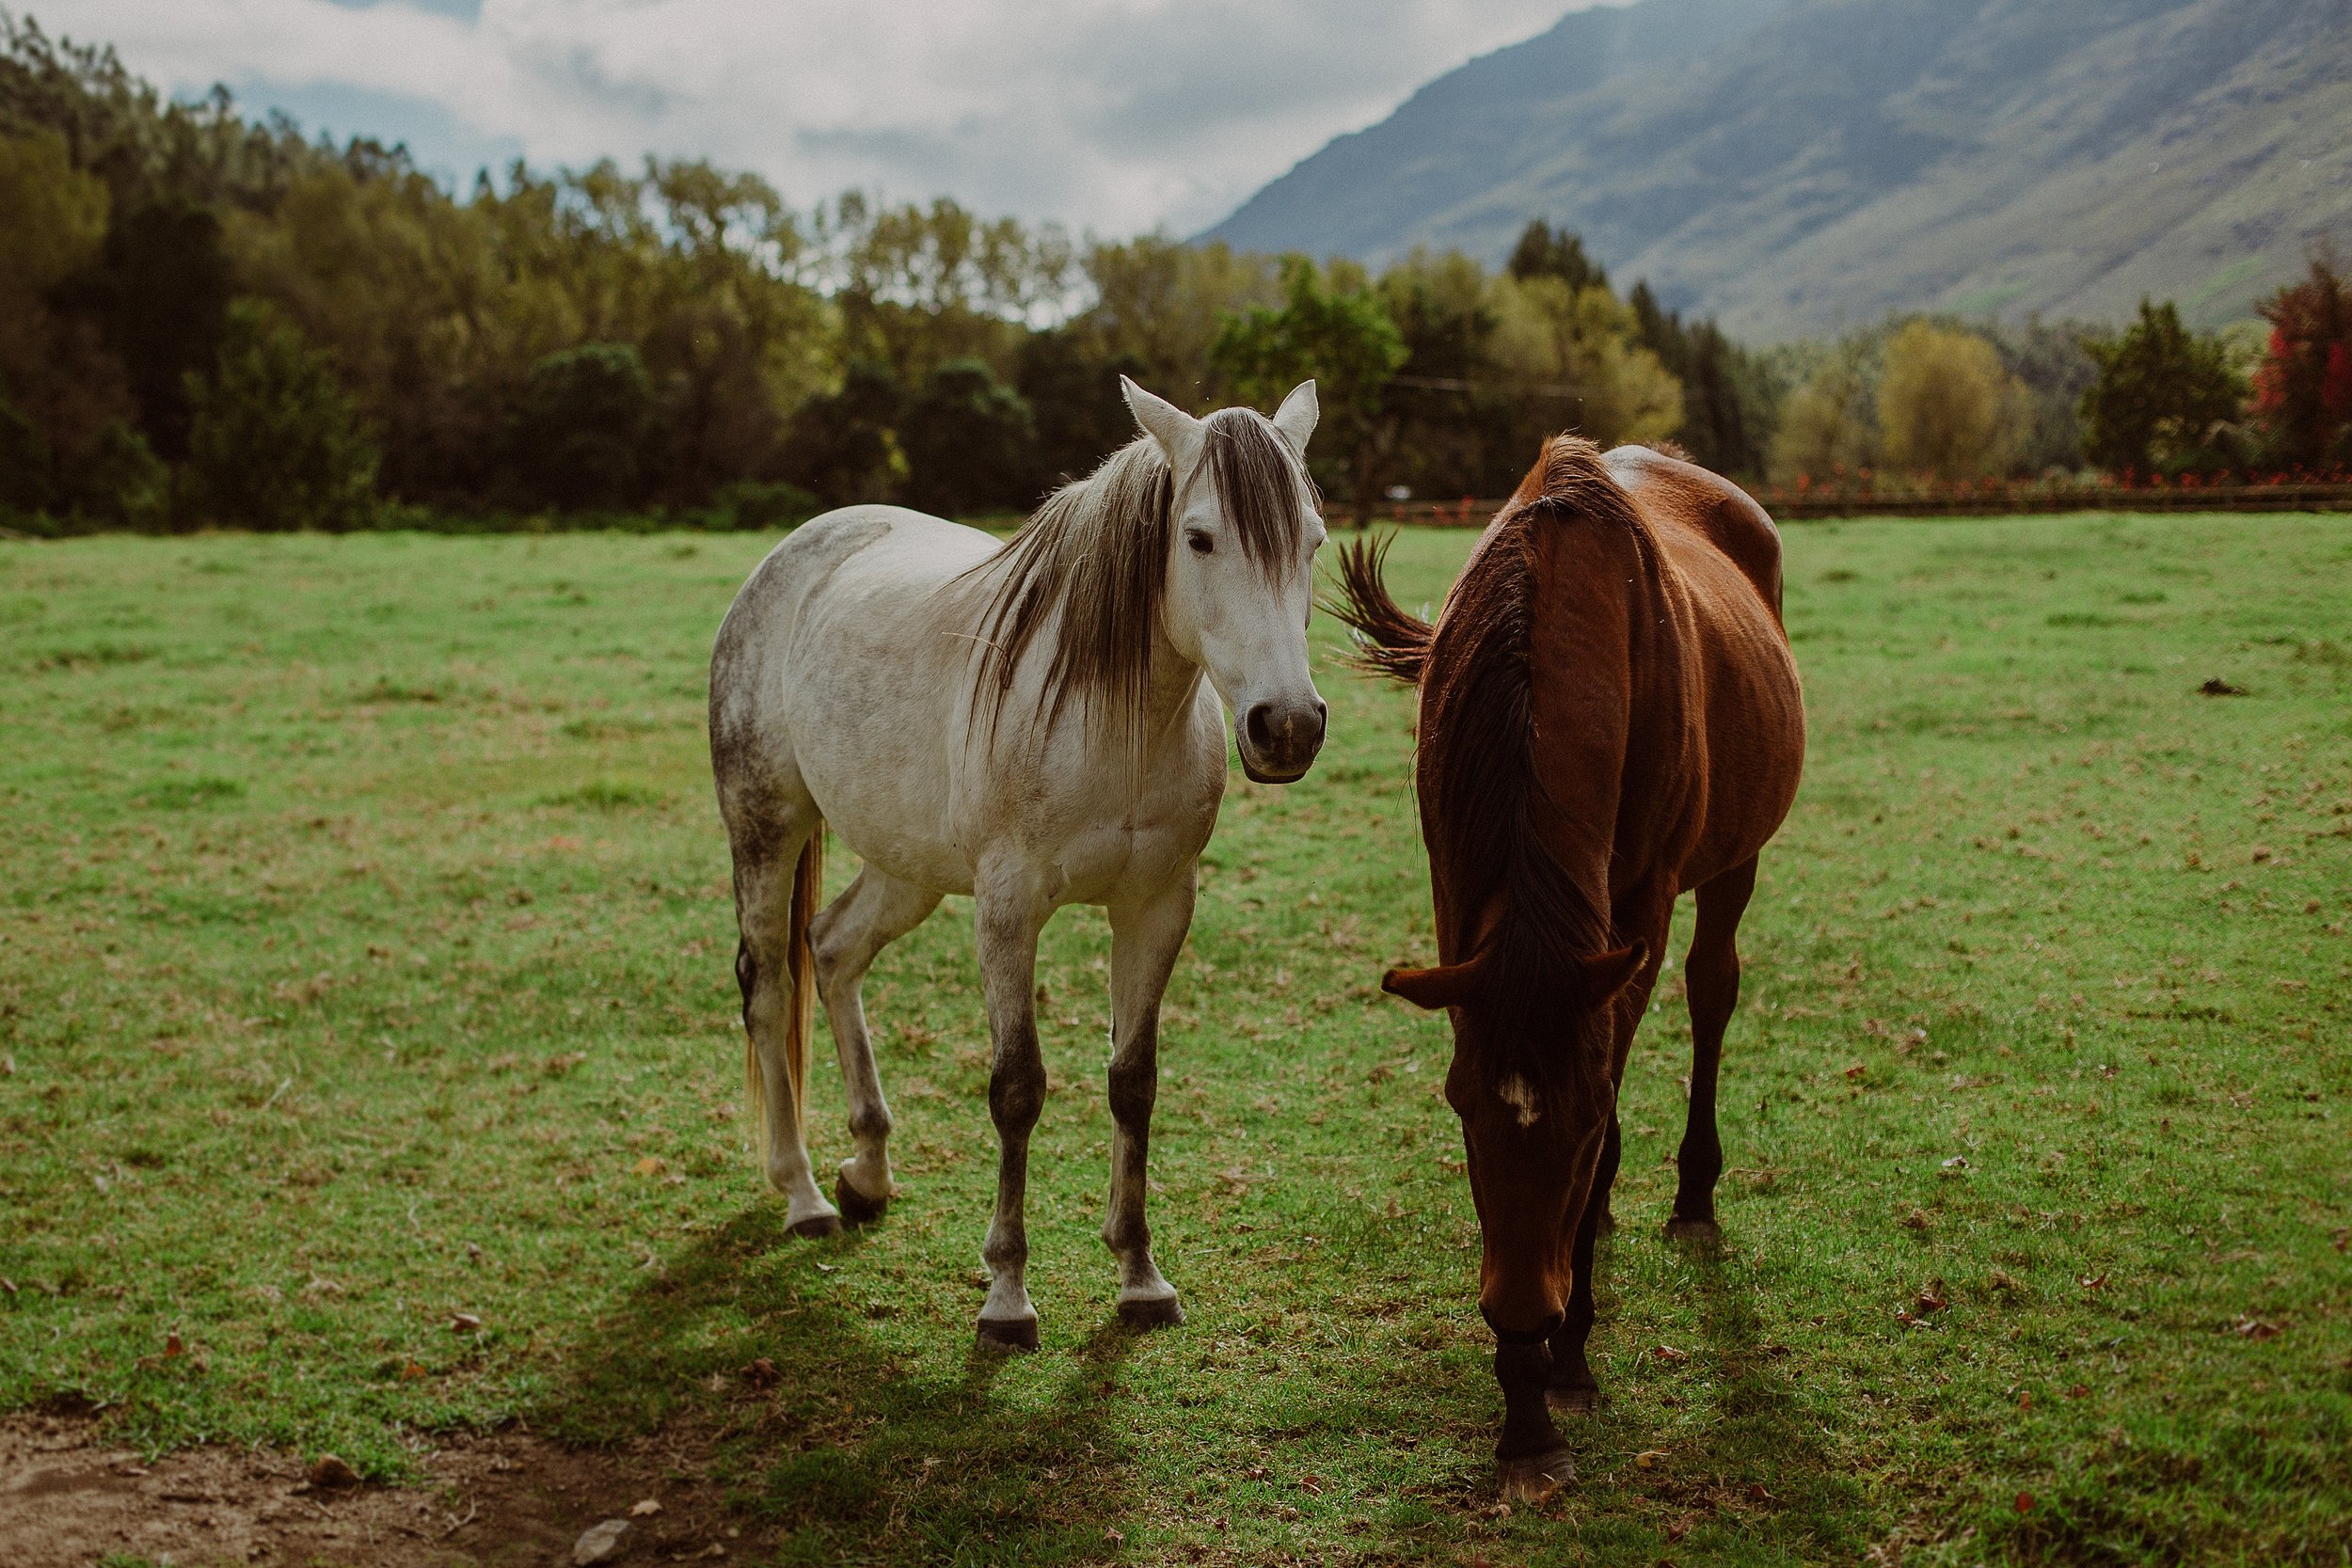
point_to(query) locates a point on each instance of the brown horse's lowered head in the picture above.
(1523, 696)
(1533, 1081)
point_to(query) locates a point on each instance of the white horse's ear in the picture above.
(1296, 417)
(1177, 432)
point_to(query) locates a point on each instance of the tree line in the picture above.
(207, 318)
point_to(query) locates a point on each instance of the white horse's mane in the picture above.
(1097, 551)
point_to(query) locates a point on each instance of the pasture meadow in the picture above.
(365, 961)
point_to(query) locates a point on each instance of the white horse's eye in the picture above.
(1201, 543)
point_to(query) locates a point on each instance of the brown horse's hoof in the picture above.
(1007, 1335)
(1151, 1312)
(856, 1208)
(1577, 1399)
(1532, 1479)
(816, 1227)
(1680, 1229)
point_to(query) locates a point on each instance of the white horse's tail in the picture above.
(809, 886)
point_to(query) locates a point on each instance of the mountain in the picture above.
(1799, 166)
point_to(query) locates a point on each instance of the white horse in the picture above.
(1024, 722)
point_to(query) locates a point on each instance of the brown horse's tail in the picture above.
(809, 886)
(1388, 642)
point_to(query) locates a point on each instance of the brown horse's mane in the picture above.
(1097, 552)
(1483, 798)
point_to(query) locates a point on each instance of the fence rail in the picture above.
(1801, 506)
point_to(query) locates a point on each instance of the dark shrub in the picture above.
(583, 427)
(843, 445)
(160, 293)
(274, 441)
(2165, 401)
(1073, 398)
(970, 443)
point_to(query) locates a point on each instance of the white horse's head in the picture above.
(1240, 586)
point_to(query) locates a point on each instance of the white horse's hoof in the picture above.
(1535, 1477)
(1144, 1313)
(817, 1226)
(1006, 1334)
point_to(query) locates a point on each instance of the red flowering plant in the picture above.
(2303, 392)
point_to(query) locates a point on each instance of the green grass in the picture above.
(365, 959)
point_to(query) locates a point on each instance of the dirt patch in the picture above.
(68, 1497)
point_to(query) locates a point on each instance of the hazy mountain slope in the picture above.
(1797, 164)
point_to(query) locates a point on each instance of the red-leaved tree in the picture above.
(2303, 392)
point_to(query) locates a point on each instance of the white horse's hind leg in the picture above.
(1145, 939)
(876, 910)
(1008, 916)
(765, 863)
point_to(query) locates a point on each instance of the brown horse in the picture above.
(1610, 715)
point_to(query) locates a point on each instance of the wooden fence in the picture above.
(1790, 506)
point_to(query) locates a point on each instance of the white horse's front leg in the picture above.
(1009, 914)
(1145, 938)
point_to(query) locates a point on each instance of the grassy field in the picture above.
(365, 959)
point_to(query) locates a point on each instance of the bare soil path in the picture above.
(69, 1498)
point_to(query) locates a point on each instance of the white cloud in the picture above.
(1110, 115)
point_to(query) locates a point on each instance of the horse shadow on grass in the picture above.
(1767, 1475)
(824, 1435)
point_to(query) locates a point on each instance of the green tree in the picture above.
(1163, 304)
(55, 216)
(2163, 400)
(1340, 338)
(25, 489)
(970, 443)
(159, 292)
(274, 442)
(843, 445)
(56, 372)
(1544, 251)
(2048, 360)
(1728, 393)
(1945, 406)
(116, 482)
(582, 429)
(1454, 426)
(1577, 361)
(1828, 423)
(1071, 389)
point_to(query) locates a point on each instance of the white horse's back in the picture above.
(840, 673)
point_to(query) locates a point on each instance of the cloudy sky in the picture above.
(1108, 114)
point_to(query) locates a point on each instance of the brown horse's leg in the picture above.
(1712, 971)
(1531, 1460)
(1573, 1385)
